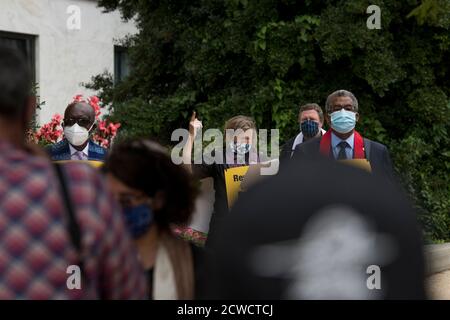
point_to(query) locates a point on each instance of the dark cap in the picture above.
(319, 230)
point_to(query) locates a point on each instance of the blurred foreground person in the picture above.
(344, 234)
(57, 241)
(155, 195)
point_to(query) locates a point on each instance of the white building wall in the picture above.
(65, 58)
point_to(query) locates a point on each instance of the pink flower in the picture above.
(94, 100)
(78, 98)
(113, 128)
(176, 230)
(56, 118)
(105, 143)
(189, 232)
(51, 131)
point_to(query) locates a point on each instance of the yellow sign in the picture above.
(95, 164)
(359, 163)
(233, 180)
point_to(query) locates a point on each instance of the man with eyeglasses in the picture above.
(343, 142)
(79, 123)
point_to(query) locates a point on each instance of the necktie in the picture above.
(342, 155)
(79, 155)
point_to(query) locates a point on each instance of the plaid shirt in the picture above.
(35, 247)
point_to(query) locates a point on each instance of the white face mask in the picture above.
(76, 135)
(240, 148)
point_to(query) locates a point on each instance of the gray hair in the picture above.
(341, 93)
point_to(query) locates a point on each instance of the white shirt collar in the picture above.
(85, 150)
(299, 139)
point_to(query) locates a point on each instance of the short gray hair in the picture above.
(341, 93)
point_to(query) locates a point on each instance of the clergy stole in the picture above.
(358, 146)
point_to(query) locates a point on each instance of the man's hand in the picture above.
(194, 125)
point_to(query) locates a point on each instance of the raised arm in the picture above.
(194, 126)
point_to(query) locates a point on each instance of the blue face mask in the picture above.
(343, 121)
(309, 128)
(138, 219)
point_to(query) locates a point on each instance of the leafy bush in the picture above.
(265, 58)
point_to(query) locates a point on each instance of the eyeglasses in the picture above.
(337, 107)
(82, 122)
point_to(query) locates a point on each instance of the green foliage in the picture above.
(104, 85)
(33, 126)
(433, 12)
(265, 58)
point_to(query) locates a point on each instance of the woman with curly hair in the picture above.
(156, 195)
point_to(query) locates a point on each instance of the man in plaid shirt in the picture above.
(36, 248)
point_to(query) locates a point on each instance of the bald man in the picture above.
(79, 123)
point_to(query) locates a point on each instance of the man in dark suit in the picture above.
(343, 142)
(78, 125)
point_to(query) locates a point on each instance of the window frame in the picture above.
(30, 41)
(117, 68)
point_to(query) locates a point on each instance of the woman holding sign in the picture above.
(238, 152)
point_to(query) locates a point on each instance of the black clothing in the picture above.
(299, 233)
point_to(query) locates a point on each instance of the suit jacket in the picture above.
(61, 151)
(376, 153)
(286, 150)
